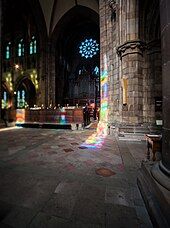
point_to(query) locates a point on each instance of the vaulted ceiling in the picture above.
(53, 10)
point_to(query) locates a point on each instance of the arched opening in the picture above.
(24, 42)
(76, 44)
(152, 71)
(25, 94)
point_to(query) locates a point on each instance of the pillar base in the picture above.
(135, 129)
(161, 175)
(155, 195)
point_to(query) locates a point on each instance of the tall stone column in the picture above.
(154, 178)
(1, 57)
(109, 68)
(130, 52)
(161, 172)
(52, 80)
(43, 74)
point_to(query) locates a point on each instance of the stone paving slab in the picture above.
(119, 196)
(60, 205)
(89, 211)
(48, 179)
(43, 220)
(19, 217)
(5, 209)
(121, 216)
(2, 225)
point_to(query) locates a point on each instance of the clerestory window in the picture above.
(33, 46)
(21, 48)
(8, 51)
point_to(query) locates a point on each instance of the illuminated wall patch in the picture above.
(8, 80)
(63, 116)
(104, 97)
(20, 115)
(34, 78)
(103, 124)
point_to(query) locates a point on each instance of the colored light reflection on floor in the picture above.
(96, 140)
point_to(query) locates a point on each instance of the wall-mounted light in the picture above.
(16, 67)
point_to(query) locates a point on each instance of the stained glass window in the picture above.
(88, 48)
(21, 48)
(4, 100)
(21, 99)
(8, 51)
(18, 99)
(96, 71)
(33, 46)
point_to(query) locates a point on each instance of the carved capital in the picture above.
(112, 4)
(131, 47)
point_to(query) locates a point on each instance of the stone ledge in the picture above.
(134, 129)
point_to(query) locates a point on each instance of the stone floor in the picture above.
(69, 179)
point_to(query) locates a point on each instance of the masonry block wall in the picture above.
(133, 60)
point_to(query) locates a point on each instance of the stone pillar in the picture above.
(1, 57)
(52, 76)
(130, 52)
(43, 73)
(109, 77)
(48, 83)
(162, 172)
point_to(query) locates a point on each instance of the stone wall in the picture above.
(133, 63)
(108, 43)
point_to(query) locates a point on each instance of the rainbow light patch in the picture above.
(20, 115)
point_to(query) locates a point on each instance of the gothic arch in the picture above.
(152, 71)
(77, 23)
(25, 83)
(61, 7)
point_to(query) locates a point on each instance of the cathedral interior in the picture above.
(57, 58)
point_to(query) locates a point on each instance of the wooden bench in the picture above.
(154, 143)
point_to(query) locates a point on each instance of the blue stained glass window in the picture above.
(20, 99)
(96, 70)
(21, 48)
(8, 51)
(5, 96)
(88, 48)
(33, 46)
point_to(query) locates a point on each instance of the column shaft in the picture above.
(165, 41)
(1, 57)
